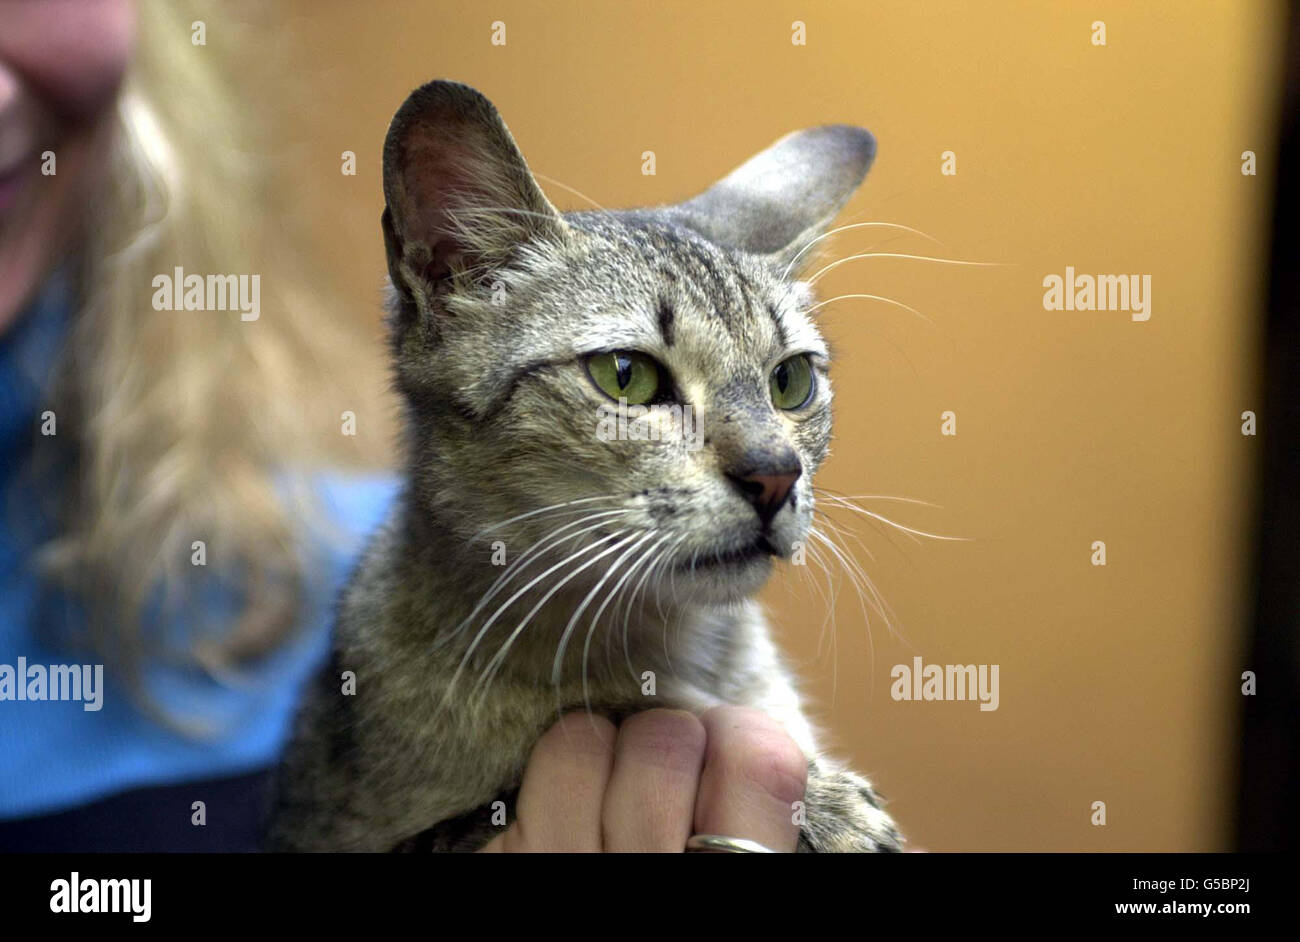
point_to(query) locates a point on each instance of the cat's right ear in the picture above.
(781, 199)
(459, 196)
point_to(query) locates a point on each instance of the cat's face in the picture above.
(638, 393)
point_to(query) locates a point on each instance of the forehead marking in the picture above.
(781, 335)
(666, 316)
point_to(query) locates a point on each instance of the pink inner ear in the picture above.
(434, 184)
(441, 178)
(458, 190)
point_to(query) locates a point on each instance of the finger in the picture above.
(650, 801)
(754, 773)
(560, 799)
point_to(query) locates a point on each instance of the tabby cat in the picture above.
(631, 558)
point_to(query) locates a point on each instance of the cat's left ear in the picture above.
(783, 197)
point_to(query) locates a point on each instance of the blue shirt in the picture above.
(55, 754)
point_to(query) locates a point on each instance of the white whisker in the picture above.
(609, 596)
(871, 297)
(658, 551)
(841, 496)
(844, 502)
(534, 513)
(478, 638)
(524, 560)
(556, 667)
(857, 225)
(565, 186)
(918, 258)
(499, 658)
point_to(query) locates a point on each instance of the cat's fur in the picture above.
(496, 299)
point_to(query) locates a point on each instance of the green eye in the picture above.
(792, 383)
(624, 374)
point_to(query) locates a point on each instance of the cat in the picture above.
(632, 564)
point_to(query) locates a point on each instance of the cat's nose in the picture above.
(769, 489)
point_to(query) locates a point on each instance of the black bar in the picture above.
(473, 894)
(1268, 813)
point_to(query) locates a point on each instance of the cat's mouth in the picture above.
(745, 555)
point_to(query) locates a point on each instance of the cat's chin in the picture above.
(722, 578)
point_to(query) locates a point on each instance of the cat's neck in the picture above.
(513, 619)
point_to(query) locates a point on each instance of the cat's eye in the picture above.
(792, 383)
(625, 374)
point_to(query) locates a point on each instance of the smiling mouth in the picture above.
(753, 552)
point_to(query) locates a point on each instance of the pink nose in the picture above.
(767, 493)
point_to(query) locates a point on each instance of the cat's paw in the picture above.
(843, 814)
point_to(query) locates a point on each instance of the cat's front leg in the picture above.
(842, 814)
(467, 832)
(840, 811)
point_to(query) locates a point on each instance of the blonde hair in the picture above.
(188, 424)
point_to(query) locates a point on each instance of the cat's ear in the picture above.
(777, 201)
(459, 196)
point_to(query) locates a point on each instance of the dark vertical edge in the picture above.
(1268, 799)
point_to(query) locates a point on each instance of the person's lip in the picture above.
(12, 179)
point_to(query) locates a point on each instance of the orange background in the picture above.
(1118, 683)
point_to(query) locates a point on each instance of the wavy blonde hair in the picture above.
(186, 424)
